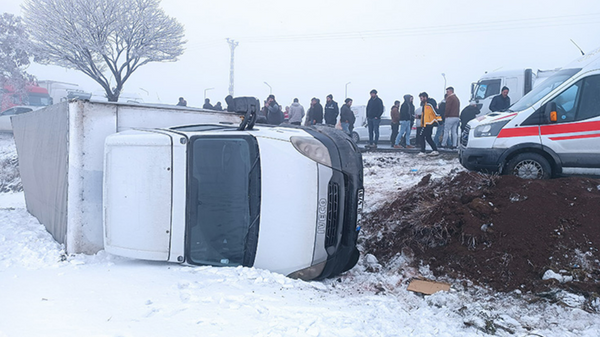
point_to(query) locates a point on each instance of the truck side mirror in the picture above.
(551, 112)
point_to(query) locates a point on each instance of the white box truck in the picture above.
(555, 127)
(113, 176)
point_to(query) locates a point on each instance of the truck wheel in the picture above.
(355, 137)
(529, 166)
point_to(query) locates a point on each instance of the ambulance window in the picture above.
(589, 106)
(566, 103)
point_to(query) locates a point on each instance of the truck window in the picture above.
(590, 98)
(223, 200)
(487, 88)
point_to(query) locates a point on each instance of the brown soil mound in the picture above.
(499, 231)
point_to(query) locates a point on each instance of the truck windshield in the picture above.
(223, 200)
(486, 88)
(36, 99)
(543, 89)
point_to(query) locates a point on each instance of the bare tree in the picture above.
(14, 58)
(102, 38)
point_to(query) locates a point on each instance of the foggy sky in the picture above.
(313, 48)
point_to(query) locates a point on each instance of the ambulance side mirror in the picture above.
(551, 112)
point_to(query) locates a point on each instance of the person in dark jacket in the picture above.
(467, 115)
(218, 106)
(274, 113)
(439, 133)
(395, 122)
(347, 117)
(315, 112)
(182, 102)
(500, 102)
(207, 104)
(407, 115)
(331, 111)
(374, 112)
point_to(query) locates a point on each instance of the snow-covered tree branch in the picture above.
(14, 57)
(107, 40)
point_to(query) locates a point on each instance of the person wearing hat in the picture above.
(331, 111)
(374, 112)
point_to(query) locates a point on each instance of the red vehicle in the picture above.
(35, 96)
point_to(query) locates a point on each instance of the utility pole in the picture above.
(232, 45)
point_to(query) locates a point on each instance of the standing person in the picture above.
(286, 115)
(207, 104)
(452, 120)
(417, 121)
(331, 111)
(395, 123)
(182, 102)
(500, 102)
(407, 111)
(274, 113)
(218, 106)
(315, 112)
(467, 115)
(374, 112)
(347, 117)
(296, 113)
(428, 119)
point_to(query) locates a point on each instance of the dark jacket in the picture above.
(407, 109)
(375, 107)
(499, 103)
(274, 114)
(452, 106)
(331, 112)
(347, 115)
(208, 106)
(468, 114)
(316, 114)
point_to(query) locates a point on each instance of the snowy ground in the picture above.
(45, 293)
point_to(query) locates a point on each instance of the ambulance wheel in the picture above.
(529, 166)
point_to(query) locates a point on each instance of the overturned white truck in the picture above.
(210, 192)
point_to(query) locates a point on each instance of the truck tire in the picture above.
(355, 137)
(529, 166)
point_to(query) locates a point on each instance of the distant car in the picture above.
(361, 133)
(5, 124)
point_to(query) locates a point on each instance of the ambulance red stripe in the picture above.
(576, 137)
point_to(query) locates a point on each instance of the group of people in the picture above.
(446, 116)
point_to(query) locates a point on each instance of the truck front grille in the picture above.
(332, 214)
(464, 137)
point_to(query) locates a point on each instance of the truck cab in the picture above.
(286, 199)
(554, 127)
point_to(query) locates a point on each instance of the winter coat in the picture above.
(407, 109)
(296, 112)
(331, 112)
(429, 116)
(499, 103)
(395, 115)
(452, 106)
(316, 114)
(274, 114)
(468, 114)
(375, 107)
(208, 106)
(347, 115)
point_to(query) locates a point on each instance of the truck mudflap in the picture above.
(346, 185)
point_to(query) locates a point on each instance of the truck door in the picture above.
(575, 136)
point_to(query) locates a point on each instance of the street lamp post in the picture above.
(270, 89)
(346, 90)
(205, 90)
(444, 76)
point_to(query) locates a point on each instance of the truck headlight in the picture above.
(312, 148)
(489, 130)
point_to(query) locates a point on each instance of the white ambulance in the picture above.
(556, 126)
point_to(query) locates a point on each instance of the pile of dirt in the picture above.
(497, 231)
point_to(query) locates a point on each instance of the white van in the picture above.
(554, 126)
(286, 199)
